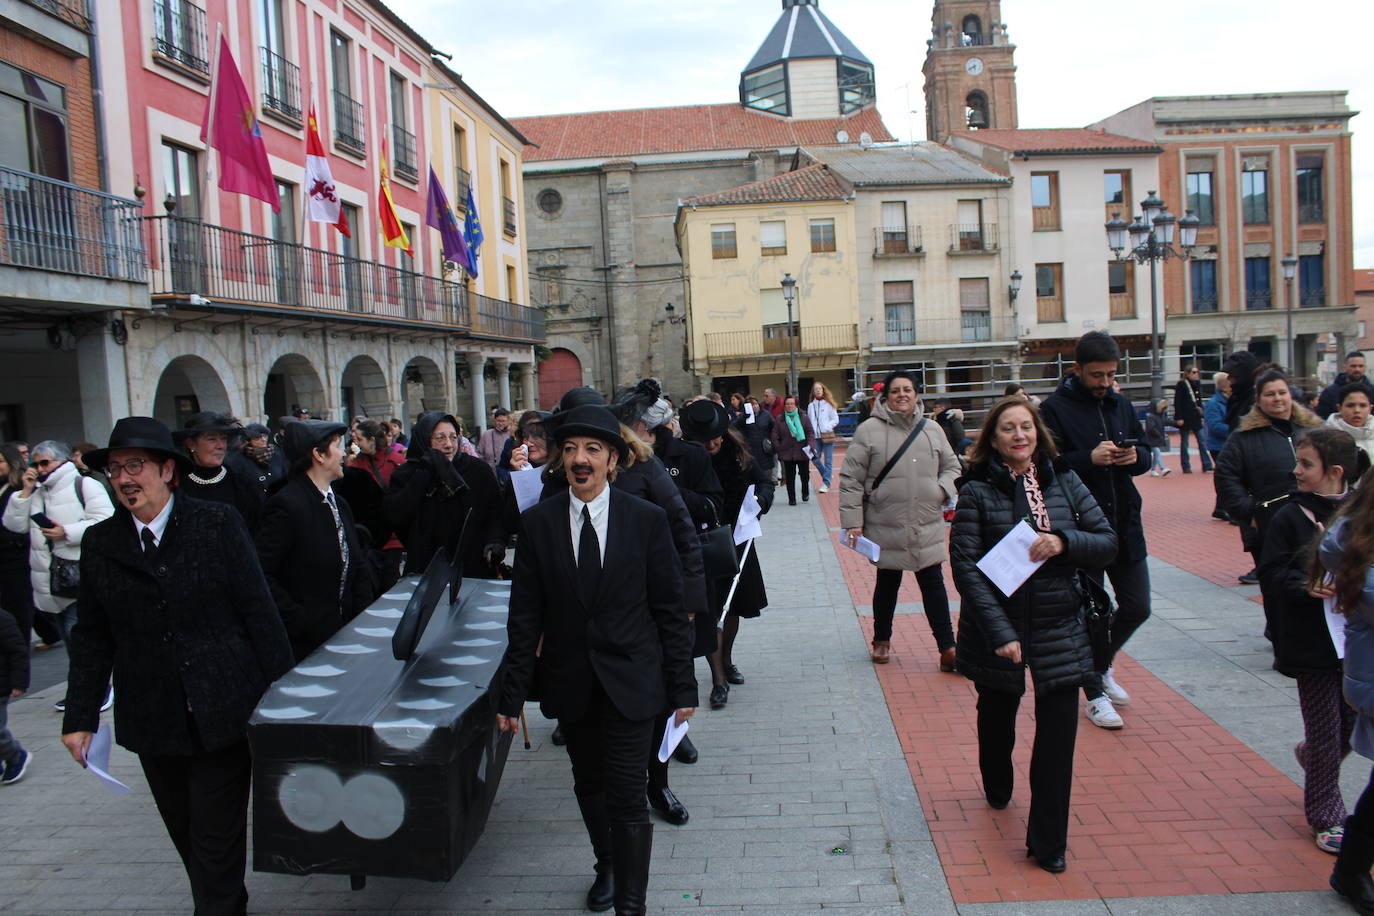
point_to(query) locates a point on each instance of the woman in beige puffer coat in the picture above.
(904, 514)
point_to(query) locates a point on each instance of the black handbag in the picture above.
(718, 549)
(1098, 616)
(64, 577)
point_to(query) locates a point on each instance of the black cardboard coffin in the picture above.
(366, 765)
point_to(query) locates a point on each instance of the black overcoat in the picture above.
(1296, 621)
(191, 634)
(1043, 614)
(632, 638)
(298, 546)
(1254, 472)
(751, 595)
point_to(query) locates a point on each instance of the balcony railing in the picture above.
(234, 269)
(403, 148)
(975, 39)
(508, 215)
(180, 33)
(1311, 212)
(281, 85)
(973, 237)
(833, 338)
(460, 194)
(1312, 297)
(1204, 302)
(53, 225)
(1121, 305)
(1259, 299)
(897, 241)
(1045, 219)
(72, 12)
(970, 327)
(348, 122)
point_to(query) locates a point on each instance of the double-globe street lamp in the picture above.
(1151, 241)
(1290, 269)
(789, 293)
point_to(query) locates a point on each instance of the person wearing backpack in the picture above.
(898, 474)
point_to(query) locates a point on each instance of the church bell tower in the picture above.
(970, 75)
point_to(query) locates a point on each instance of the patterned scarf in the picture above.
(1040, 515)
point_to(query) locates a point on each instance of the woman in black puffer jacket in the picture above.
(1040, 625)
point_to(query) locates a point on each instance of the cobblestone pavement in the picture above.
(825, 784)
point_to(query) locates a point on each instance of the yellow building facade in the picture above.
(737, 247)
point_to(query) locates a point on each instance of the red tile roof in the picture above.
(1057, 140)
(815, 182)
(686, 128)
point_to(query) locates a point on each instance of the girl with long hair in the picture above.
(824, 415)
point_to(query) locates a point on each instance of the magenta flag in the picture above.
(233, 126)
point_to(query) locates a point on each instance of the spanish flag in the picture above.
(392, 232)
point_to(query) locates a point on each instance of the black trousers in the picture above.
(1051, 770)
(792, 470)
(610, 757)
(16, 596)
(934, 599)
(203, 800)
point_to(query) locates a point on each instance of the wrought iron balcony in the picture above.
(970, 327)
(508, 215)
(403, 149)
(897, 241)
(1313, 297)
(72, 12)
(56, 226)
(1204, 302)
(832, 338)
(972, 238)
(1311, 212)
(180, 34)
(281, 85)
(348, 122)
(1259, 299)
(232, 270)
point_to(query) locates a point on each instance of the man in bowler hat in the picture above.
(174, 604)
(597, 579)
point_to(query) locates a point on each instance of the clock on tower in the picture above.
(970, 75)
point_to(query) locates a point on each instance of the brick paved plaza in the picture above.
(826, 784)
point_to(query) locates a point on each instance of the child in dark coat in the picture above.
(1157, 437)
(14, 680)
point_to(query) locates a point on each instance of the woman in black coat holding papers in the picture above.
(1039, 625)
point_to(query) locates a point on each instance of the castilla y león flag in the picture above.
(230, 125)
(325, 206)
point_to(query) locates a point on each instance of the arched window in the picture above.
(973, 31)
(976, 110)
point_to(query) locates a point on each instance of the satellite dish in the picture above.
(865, 139)
(842, 136)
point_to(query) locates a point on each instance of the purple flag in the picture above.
(438, 215)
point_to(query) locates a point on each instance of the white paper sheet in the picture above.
(98, 761)
(748, 413)
(1008, 563)
(1335, 623)
(527, 487)
(672, 737)
(806, 450)
(747, 526)
(862, 546)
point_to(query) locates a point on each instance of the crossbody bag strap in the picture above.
(892, 462)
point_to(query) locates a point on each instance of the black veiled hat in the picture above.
(206, 421)
(143, 433)
(703, 420)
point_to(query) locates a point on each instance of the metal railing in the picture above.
(281, 85)
(180, 33)
(232, 268)
(832, 338)
(53, 225)
(897, 241)
(1204, 303)
(970, 327)
(1311, 212)
(508, 215)
(348, 121)
(1312, 296)
(1259, 299)
(975, 39)
(72, 12)
(974, 237)
(403, 149)
(460, 194)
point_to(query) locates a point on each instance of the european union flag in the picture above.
(472, 231)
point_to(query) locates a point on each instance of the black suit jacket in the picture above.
(193, 628)
(299, 549)
(633, 638)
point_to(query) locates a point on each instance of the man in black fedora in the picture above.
(174, 604)
(597, 579)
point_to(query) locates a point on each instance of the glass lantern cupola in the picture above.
(807, 68)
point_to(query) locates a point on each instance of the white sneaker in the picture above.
(1101, 714)
(1115, 692)
(822, 489)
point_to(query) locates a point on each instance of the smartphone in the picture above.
(1127, 443)
(41, 520)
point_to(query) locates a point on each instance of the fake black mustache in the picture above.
(581, 468)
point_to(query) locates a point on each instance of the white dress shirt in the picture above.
(599, 508)
(158, 525)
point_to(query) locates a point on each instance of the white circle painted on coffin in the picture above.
(374, 806)
(311, 798)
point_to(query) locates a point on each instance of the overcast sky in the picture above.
(1076, 61)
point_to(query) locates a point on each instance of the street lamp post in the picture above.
(1152, 241)
(1290, 269)
(789, 292)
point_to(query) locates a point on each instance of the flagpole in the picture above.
(210, 120)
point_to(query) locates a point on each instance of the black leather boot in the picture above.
(686, 751)
(602, 892)
(632, 844)
(1350, 878)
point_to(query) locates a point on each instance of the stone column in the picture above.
(941, 378)
(105, 395)
(502, 382)
(529, 399)
(478, 383)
